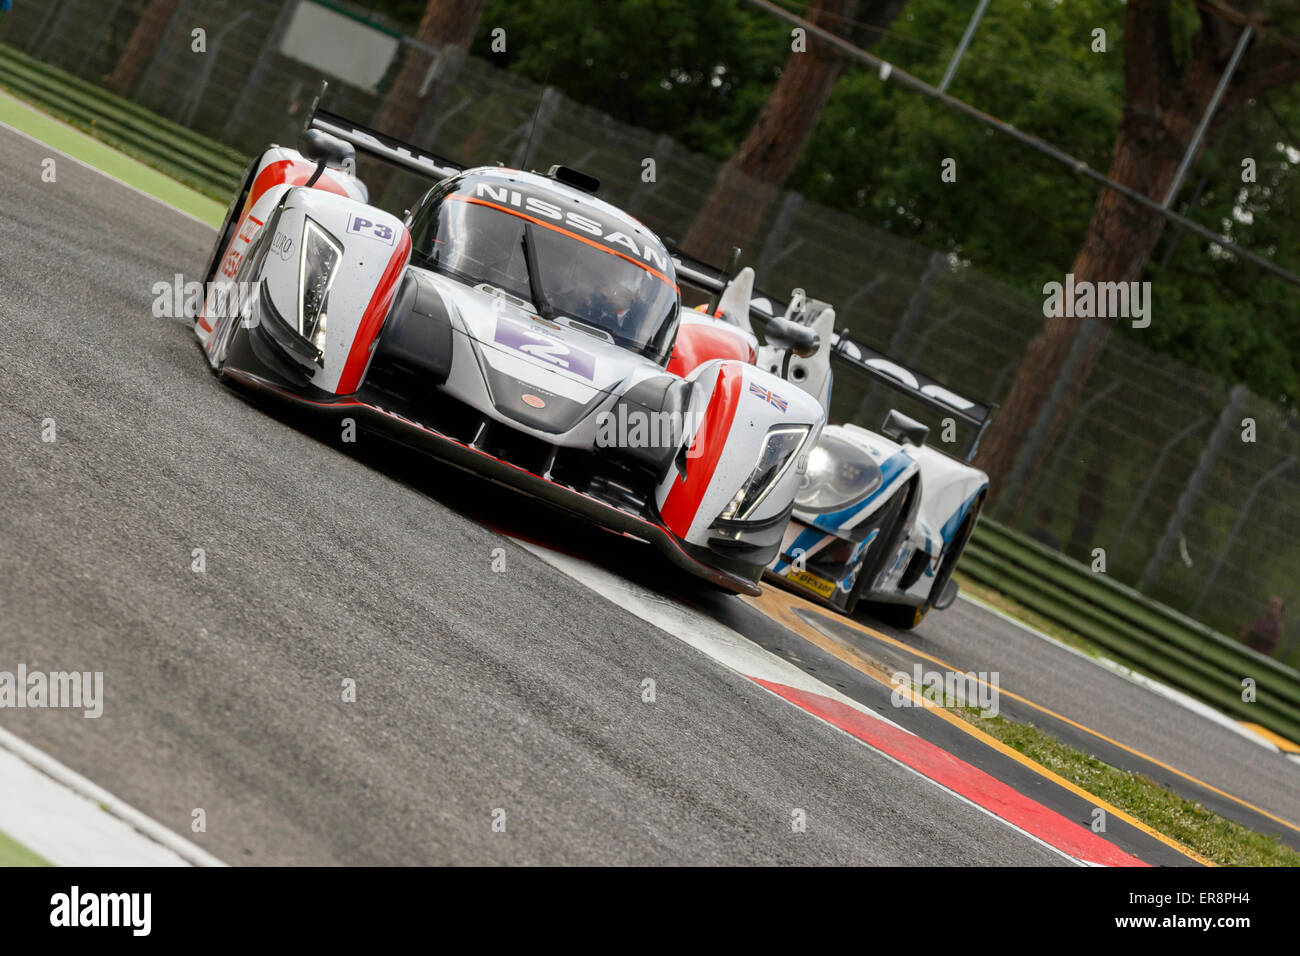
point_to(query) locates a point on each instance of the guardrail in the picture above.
(1134, 629)
(199, 162)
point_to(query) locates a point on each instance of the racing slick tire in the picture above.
(230, 223)
(904, 617)
(893, 527)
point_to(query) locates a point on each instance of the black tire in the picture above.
(227, 231)
(892, 528)
(904, 617)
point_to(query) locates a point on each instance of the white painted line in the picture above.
(737, 653)
(95, 169)
(69, 821)
(1188, 702)
(729, 648)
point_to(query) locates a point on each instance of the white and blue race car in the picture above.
(881, 517)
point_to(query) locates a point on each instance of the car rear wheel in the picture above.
(892, 528)
(903, 617)
(907, 616)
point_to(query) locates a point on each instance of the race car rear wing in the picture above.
(915, 385)
(879, 366)
(379, 145)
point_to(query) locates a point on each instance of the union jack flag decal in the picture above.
(770, 397)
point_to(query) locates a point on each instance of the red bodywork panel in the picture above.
(684, 496)
(698, 343)
(281, 171)
(293, 173)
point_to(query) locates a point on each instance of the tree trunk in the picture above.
(143, 44)
(1162, 109)
(752, 177)
(446, 23)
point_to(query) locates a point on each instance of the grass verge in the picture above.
(15, 854)
(201, 164)
(1223, 841)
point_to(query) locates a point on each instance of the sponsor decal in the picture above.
(361, 226)
(549, 350)
(282, 245)
(773, 399)
(812, 582)
(231, 267)
(505, 195)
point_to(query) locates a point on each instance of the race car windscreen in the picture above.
(859, 399)
(482, 243)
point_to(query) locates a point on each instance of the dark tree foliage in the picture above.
(701, 70)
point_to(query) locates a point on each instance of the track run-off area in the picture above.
(527, 689)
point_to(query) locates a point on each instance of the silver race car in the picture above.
(519, 327)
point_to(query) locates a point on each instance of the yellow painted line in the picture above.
(780, 607)
(1277, 740)
(885, 638)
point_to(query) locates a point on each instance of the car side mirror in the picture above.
(904, 430)
(799, 339)
(326, 150)
(321, 147)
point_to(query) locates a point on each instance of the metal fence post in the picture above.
(776, 247)
(1228, 422)
(1236, 529)
(1081, 346)
(164, 44)
(54, 17)
(1156, 467)
(1063, 449)
(923, 339)
(194, 98)
(862, 291)
(961, 47)
(916, 305)
(253, 80)
(535, 126)
(660, 152)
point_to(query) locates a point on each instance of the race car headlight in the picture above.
(780, 448)
(317, 265)
(839, 474)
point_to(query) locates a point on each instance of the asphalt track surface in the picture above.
(475, 690)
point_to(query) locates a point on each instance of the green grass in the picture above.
(1191, 824)
(201, 164)
(15, 854)
(1223, 841)
(93, 152)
